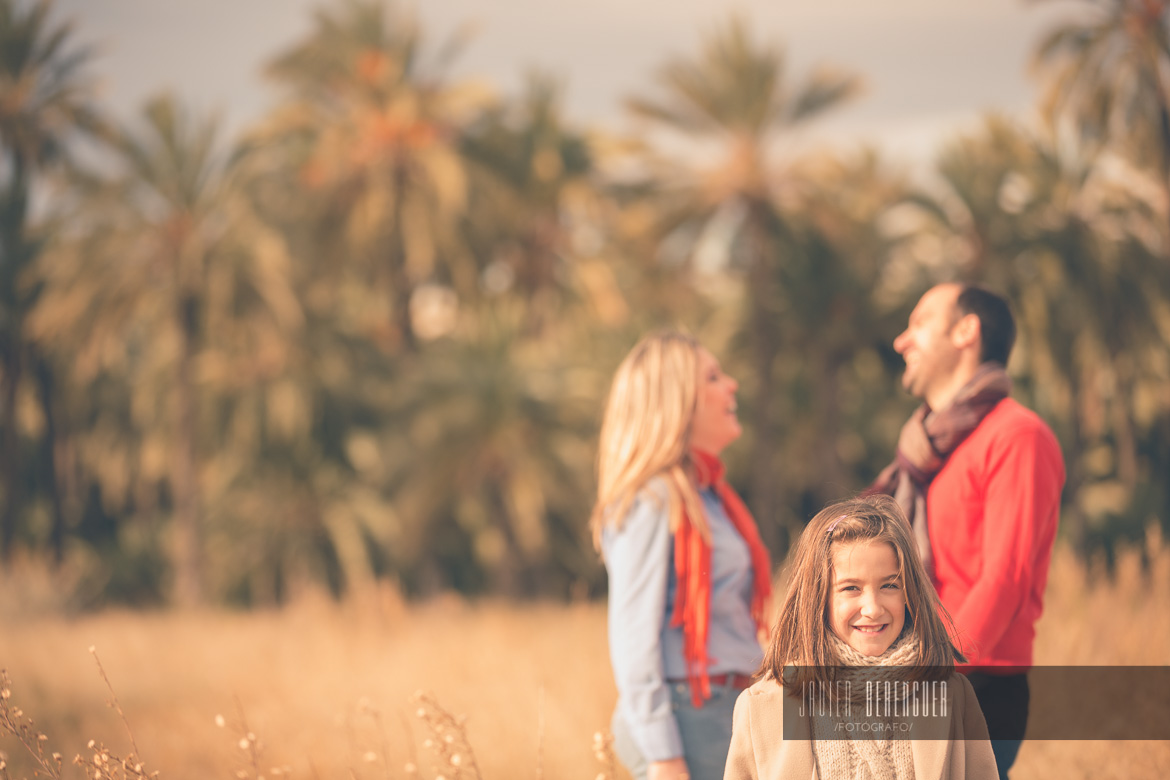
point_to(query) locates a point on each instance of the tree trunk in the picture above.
(834, 484)
(188, 536)
(765, 493)
(14, 255)
(46, 387)
(1164, 128)
(399, 277)
(509, 577)
(400, 295)
(1155, 66)
(10, 448)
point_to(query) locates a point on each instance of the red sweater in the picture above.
(992, 513)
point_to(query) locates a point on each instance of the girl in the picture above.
(688, 575)
(859, 598)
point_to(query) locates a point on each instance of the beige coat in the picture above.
(760, 752)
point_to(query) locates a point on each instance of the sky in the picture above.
(931, 67)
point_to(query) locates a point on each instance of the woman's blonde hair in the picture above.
(801, 636)
(646, 431)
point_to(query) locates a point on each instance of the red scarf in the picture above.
(692, 566)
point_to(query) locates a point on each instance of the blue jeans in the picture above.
(706, 733)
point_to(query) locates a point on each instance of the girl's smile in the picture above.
(867, 607)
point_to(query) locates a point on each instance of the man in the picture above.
(980, 476)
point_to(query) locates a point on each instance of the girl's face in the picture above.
(715, 424)
(867, 607)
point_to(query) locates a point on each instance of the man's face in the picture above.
(927, 345)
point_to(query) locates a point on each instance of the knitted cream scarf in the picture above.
(865, 758)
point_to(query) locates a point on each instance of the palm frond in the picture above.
(826, 88)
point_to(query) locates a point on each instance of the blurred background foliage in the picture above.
(369, 340)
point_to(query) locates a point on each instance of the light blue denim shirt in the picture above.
(644, 649)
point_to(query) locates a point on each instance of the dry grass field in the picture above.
(326, 689)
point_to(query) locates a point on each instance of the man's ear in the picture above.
(966, 332)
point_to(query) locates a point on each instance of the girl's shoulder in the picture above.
(763, 709)
(961, 685)
(765, 689)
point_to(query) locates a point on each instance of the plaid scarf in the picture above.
(928, 438)
(692, 566)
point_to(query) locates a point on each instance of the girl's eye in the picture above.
(892, 586)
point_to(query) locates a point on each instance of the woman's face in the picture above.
(715, 424)
(867, 606)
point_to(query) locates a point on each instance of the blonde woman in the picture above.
(688, 575)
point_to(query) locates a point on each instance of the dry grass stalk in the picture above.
(603, 751)
(106, 765)
(103, 763)
(113, 702)
(249, 743)
(448, 739)
(366, 707)
(186, 665)
(540, 736)
(412, 764)
(13, 721)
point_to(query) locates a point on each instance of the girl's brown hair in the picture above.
(800, 637)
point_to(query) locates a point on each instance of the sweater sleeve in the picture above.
(638, 556)
(741, 758)
(1024, 480)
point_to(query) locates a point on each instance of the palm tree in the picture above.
(360, 169)
(436, 466)
(734, 96)
(167, 278)
(530, 177)
(377, 126)
(490, 453)
(1078, 254)
(44, 104)
(1109, 73)
(843, 274)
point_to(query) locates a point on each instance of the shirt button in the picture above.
(681, 688)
